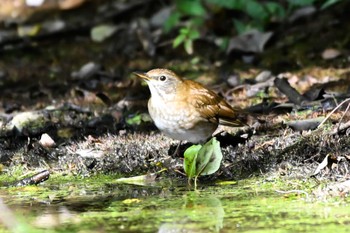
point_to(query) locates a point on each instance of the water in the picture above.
(95, 206)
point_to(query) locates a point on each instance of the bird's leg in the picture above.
(176, 153)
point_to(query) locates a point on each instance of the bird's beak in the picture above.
(142, 75)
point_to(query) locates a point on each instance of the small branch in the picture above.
(340, 128)
(341, 119)
(329, 114)
(35, 179)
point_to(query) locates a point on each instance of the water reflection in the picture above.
(133, 208)
(202, 215)
(53, 217)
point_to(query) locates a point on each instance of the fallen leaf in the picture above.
(307, 124)
(302, 13)
(102, 32)
(330, 53)
(131, 201)
(252, 41)
(321, 165)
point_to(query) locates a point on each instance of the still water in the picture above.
(88, 205)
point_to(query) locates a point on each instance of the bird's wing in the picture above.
(213, 107)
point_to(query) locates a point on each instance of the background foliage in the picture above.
(192, 18)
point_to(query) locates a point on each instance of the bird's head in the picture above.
(162, 82)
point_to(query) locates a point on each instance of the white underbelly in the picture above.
(182, 125)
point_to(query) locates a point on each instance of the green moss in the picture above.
(97, 203)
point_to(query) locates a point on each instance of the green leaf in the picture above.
(189, 46)
(193, 34)
(256, 10)
(195, 60)
(135, 120)
(240, 26)
(184, 31)
(197, 22)
(191, 7)
(275, 9)
(209, 158)
(178, 40)
(190, 160)
(172, 21)
(229, 4)
(204, 156)
(206, 206)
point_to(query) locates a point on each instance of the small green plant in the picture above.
(202, 160)
(137, 119)
(189, 32)
(186, 37)
(190, 16)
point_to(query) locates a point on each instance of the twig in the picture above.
(33, 180)
(341, 127)
(329, 114)
(341, 119)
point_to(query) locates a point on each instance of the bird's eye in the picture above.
(162, 78)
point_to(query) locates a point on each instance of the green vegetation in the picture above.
(137, 119)
(202, 160)
(192, 17)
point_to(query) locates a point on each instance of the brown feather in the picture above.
(211, 106)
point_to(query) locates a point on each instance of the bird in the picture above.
(185, 110)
